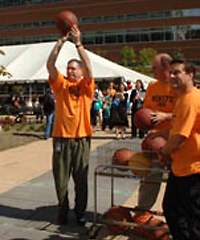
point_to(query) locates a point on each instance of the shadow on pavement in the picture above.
(39, 136)
(51, 237)
(45, 218)
(103, 137)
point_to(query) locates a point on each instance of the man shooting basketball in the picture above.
(72, 130)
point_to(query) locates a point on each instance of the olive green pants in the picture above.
(71, 156)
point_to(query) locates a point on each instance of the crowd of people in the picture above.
(111, 105)
(113, 102)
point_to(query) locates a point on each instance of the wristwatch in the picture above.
(79, 45)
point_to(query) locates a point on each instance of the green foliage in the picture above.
(128, 56)
(177, 54)
(141, 63)
(146, 56)
(101, 52)
(6, 127)
(41, 128)
(3, 70)
(21, 126)
(31, 127)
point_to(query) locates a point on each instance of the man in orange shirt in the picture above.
(181, 202)
(72, 130)
(160, 98)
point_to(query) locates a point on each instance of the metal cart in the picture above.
(113, 172)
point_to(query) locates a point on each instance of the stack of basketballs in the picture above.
(140, 163)
(149, 147)
(144, 224)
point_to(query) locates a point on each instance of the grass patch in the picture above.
(20, 134)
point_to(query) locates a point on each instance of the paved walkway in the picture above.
(27, 197)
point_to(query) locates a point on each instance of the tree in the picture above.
(101, 52)
(3, 70)
(142, 63)
(128, 56)
(177, 54)
(146, 57)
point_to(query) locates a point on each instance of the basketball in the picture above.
(142, 119)
(155, 222)
(139, 160)
(142, 218)
(65, 20)
(121, 157)
(150, 146)
(121, 214)
(149, 233)
(158, 234)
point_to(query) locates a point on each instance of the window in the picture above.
(132, 36)
(98, 39)
(174, 33)
(110, 37)
(13, 3)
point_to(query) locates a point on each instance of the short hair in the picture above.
(164, 59)
(189, 66)
(77, 61)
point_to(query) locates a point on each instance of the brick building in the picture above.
(108, 25)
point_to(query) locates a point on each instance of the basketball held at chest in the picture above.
(142, 119)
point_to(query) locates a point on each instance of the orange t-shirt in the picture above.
(186, 122)
(73, 103)
(160, 97)
(112, 92)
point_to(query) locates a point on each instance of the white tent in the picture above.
(28, 63)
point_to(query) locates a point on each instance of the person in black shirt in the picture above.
(136, 98)
(49, 112)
